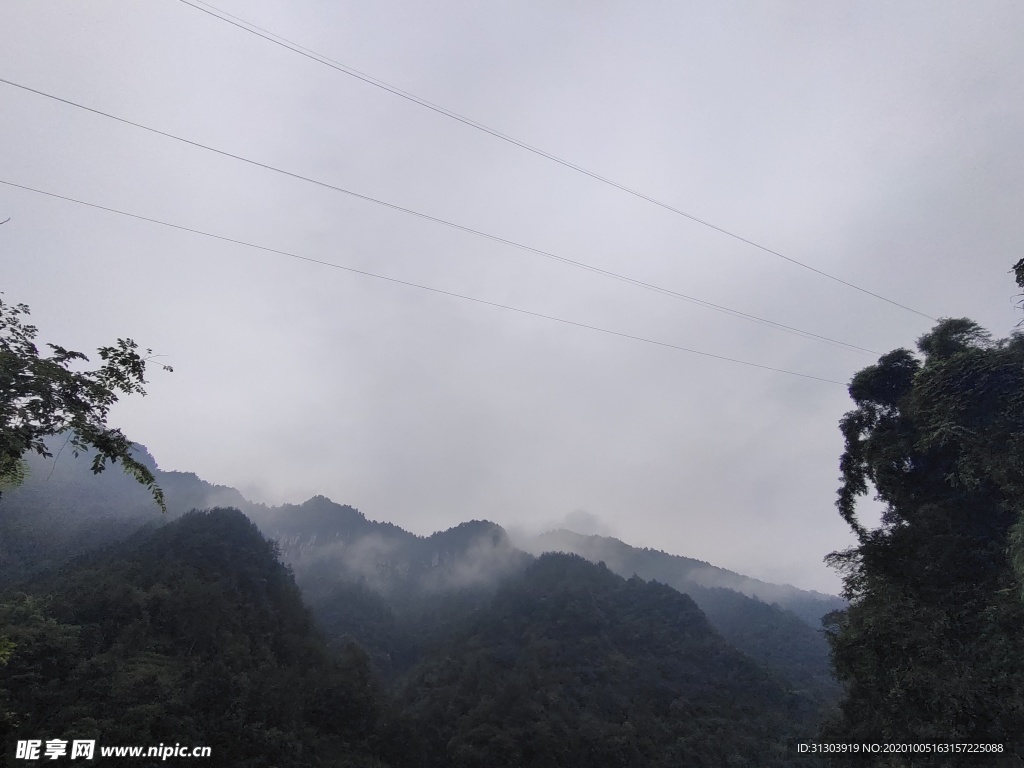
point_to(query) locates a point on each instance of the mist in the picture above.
(874, 143)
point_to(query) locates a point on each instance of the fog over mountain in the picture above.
(323, 531)
(683, 573)
(873, 141)
(479, 651)
(350, 567)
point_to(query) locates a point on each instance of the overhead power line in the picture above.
(452, 294)
(273, 37)
(463, 228)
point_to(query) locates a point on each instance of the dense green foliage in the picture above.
(451, 649)
(572, 665)
(932, 647)
(193, 633)
(784, 635)
(42, 396)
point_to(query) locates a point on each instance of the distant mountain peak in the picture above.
(680, 571)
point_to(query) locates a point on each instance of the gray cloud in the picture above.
(880, 143)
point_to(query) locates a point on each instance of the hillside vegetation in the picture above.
(329, 639)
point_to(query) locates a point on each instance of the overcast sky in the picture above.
(878, 142)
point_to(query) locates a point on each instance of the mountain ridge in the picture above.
(681, 571)
(186, 491)
(476, 648)
(335, 551)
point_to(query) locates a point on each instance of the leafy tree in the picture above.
(41, 396)
(930, 648)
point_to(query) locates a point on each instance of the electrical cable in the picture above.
(469, 230)
(318, 57)
(418, 285)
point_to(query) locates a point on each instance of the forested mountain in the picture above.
(193, 633)
(339, 543)
(683, 573)
(63, 509)
(452, 649)
(778, 625)
(572, 665)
